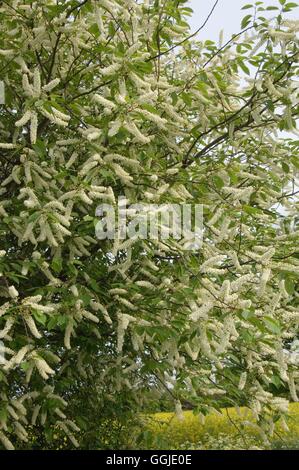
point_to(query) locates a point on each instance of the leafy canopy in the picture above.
(116, 97)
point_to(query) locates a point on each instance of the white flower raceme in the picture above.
(171, 111)
(205, 344)
(282, 35)
(121, 97)
(131, 127)
(121, 173)
(90, 316)
(97, 306)
(28, 90)
(211, 262)
(38, 306)
(225, 290)
(7, 146)
(35, 414)
(20, 431)
(281, 404)
(114, 127)
(43, 368)
(104, 102)
(111, 69)
(133, 49)
(214, 219)
(266, 274)
(179, 411)
(36, 82)
(272, 89)
(74, 291)
(193, 353)
(127, 122)
(18, 357)
(55, 116)
(201, 312)
(64, 427)
(8, 325)
(242, 382)
(60, 115)
(240, 282)
(117, 291)
(24, 119)
(51, 85)
(130, 162)
(266, 257)
(59, 413)
(14, 294)
(67, 335)
(33, 127)
(6, 442)
(145, 284)
(123, 322)
(239, 194)
(292, 388)
(31, 325)
(155, 118)
(6, 52)
(126, 303)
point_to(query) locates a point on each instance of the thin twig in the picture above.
(160, 54)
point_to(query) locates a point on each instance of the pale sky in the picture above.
(227, 16)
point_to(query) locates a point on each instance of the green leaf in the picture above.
(144, 67)
(187, 98)
(219, 183)
(285, 167)
(270, 105)
(295, 161)
(94, 29)
(289, 285)
(95, 285)
(276, 381)
(52, 323)
(40, 148)
(40, 317)
(291, 5)
(25, 366)
(111, 29)
(247, 6)
(251, 210)
(33, 217)
(3, 414)
(272, 325)
(49, 434)
(62, 320)
(82, 422)
(56, 265)
(244, 67)
(246, 20)
(247, 314)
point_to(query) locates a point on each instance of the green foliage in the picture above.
(231, 430)
(115, 98)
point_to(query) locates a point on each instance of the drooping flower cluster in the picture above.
(99, 105)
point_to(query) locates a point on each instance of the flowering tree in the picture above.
(115, 98)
